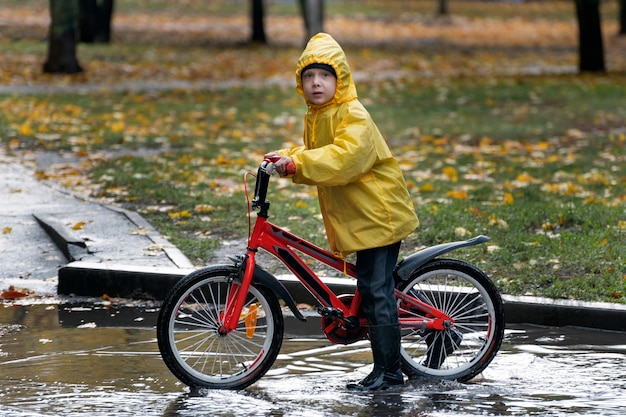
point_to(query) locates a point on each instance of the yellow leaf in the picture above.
(301, 204)
(451, 173)
(222, 160)
(485, 141)
(525, 178)
(203, 208)
(508, 198)
(180, 215)
(496, 221)
(118, 126)
(542, 145)
(426, 187)
(26, 130)
(458, 195)
(7, 230)
(78, 226)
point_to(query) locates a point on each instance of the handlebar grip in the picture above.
(290, 169)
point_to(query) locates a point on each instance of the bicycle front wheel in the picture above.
(188, 331)
(468, 296)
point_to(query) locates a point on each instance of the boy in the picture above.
(362, 194)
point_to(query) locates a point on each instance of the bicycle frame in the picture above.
(283, 245)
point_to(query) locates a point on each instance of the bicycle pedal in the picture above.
(351, 323)
(330, 312)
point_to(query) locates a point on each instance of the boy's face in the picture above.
(318, 85)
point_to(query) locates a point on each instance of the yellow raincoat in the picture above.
(361, 189)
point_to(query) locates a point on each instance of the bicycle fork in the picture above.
(236, 297)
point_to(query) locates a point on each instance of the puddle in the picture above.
(93, 361)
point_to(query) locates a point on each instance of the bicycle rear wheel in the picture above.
(188, 331)
(469, 297)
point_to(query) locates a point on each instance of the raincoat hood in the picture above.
(323, 49)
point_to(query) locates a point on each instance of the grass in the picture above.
(537, 162)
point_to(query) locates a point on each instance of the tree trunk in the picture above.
(258, 27)
(88, 20)
(443, 8)
(106, 14)
(590, 46)
(95, 20)
(622, 17)
(313, 16)
(62, 38)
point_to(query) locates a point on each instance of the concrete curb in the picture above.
(96, 279)
(124, 281)
(172, 252)
(73, 247)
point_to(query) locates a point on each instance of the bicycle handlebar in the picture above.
(260, 189)
(266, 169)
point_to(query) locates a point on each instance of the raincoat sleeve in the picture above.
(351, 153)
(291, 151)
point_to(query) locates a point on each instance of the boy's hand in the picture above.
(272, 156)
(284, 165)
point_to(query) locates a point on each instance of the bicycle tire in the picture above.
(470, 298)
(188, 337)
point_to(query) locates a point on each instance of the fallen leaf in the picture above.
(461, 232)
(180, 214)
(26, 130)
(78, 226)
(458, 195)
(426, 187)
(203, 208)
(451, 173)
(12, 294)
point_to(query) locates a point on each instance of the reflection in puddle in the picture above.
(99, 362)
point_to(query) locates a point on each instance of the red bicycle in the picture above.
(222, 326)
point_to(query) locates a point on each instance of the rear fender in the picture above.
(409, 264)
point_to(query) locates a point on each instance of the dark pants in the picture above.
(374, 269)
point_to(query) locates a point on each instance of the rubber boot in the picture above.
(385, 342)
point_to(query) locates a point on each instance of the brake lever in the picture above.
(270, 168)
